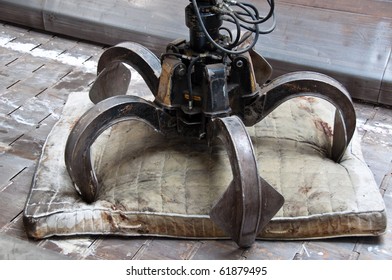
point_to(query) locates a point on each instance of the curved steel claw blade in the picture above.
(96, 120)
(250, 202)
(114, 77)
(299, 84)
(113, 80)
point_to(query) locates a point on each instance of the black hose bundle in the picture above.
(243, 16)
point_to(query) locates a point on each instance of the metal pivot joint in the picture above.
(209, 87)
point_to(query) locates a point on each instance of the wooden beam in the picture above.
(348, 40)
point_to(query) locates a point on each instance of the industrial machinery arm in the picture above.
(209, 87)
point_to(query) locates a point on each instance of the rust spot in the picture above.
(316, 196)
(118, 206)
(74, 122)
(324, 127)
(293, 87)
(310, 99)
(305, 103)
(143, 231)
(123, 217)
(32, 228)
(108, 218)
(305, 189)
(305, 108)
(124, 223)
(126, 109)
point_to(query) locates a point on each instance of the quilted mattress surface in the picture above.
(156, 185)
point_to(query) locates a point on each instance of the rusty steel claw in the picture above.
(114, 77)
(209, 88)
(96, 120)
(299, 84)
(249, 202)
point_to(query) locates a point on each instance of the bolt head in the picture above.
(181, 70)
(239, 63)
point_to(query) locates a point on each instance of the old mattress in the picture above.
(154, 185)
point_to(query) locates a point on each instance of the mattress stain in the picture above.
(323, 127)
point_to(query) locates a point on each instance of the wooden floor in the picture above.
(39, 70)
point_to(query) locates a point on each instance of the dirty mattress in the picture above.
(155, 185)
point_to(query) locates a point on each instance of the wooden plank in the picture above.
(7, 57)
(43, 129)
(54, 98)
(75, 81)
(380, 128)
(376, 248)
(116, 248)
(23, 68)
(34, 111)
(6, 106)
(41, 81)
(7, 82)
(13, 31)
(386, 86)
(350, 49)
(372, 248)
(376, 142)
(12, 129)
(56, 46)
(23, 12)
(16, 249)
(338, 249)
(380, 248)
(377, 158)
(72, 248)
(219, 250)
(27, 148)
(42, 76)
(25, 118)
(86, 50)
(16, 192)
(11, 166)
(122, 21)
(364, 112)
(378, 8)
(273, 250)
(16, 230)
(33, 38)
(24, 131)
(168, 249)
(13, 98)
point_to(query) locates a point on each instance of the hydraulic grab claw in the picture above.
(249, 202)
(209, 88)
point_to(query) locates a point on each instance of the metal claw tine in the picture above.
(248, 203)
(299, 84)
(111, 70)
(113, 80)
(96, 120)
